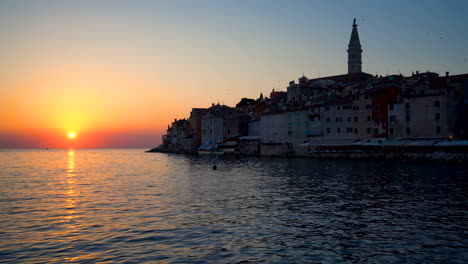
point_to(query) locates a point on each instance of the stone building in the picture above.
(273, 132)
(195, 120)
(362, 115)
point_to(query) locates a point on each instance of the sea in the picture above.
(128, 206)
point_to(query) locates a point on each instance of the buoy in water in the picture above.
(214, 167)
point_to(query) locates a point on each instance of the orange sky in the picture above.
(93, 102)
(118, 72)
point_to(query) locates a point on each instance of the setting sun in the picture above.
(72, 135)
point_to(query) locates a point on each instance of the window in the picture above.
(328, 130)
(355, 131)
(390, 106)
(337, 120)
(327, 108)
(368, 118)
(338, 107)
(407, 105)
(376, 108)
(392, 131)
(349, 130)
(377, 119)
(408, 131)
(289, 132)
(437, 103)
(355, 107)
(408, 118)
(338, 130)
(438, 129)
(368, 107)
(437, 116)
(328, 120)
(366, 96)
(376, 130)
(349, 119)
(298, 123)
(369, 130)
(355, 119)
(392, 118)
(376, 96)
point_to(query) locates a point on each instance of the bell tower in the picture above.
(354, 51)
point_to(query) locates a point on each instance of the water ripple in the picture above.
(124, 206)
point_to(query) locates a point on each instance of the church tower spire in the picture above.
(354, 51)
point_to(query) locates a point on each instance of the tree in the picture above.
(245, 102)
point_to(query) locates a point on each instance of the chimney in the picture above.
(417, 72)
(446, 74)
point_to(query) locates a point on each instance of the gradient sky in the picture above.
(118, 72)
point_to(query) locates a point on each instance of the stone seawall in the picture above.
(400, 156)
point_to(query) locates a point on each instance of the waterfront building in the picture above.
(432, 106)
(332, 111)
(254, 128)
(419, 116)
(315, 122)
(298, 129)
(195, 120)
(362, 115)
(382, 95)
(212, 131)
(338, 120)
(273, 132)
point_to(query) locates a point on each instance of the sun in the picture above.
(71, 134)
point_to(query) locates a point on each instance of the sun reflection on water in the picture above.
(71, 192)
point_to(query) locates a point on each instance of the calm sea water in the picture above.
(126, 206)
